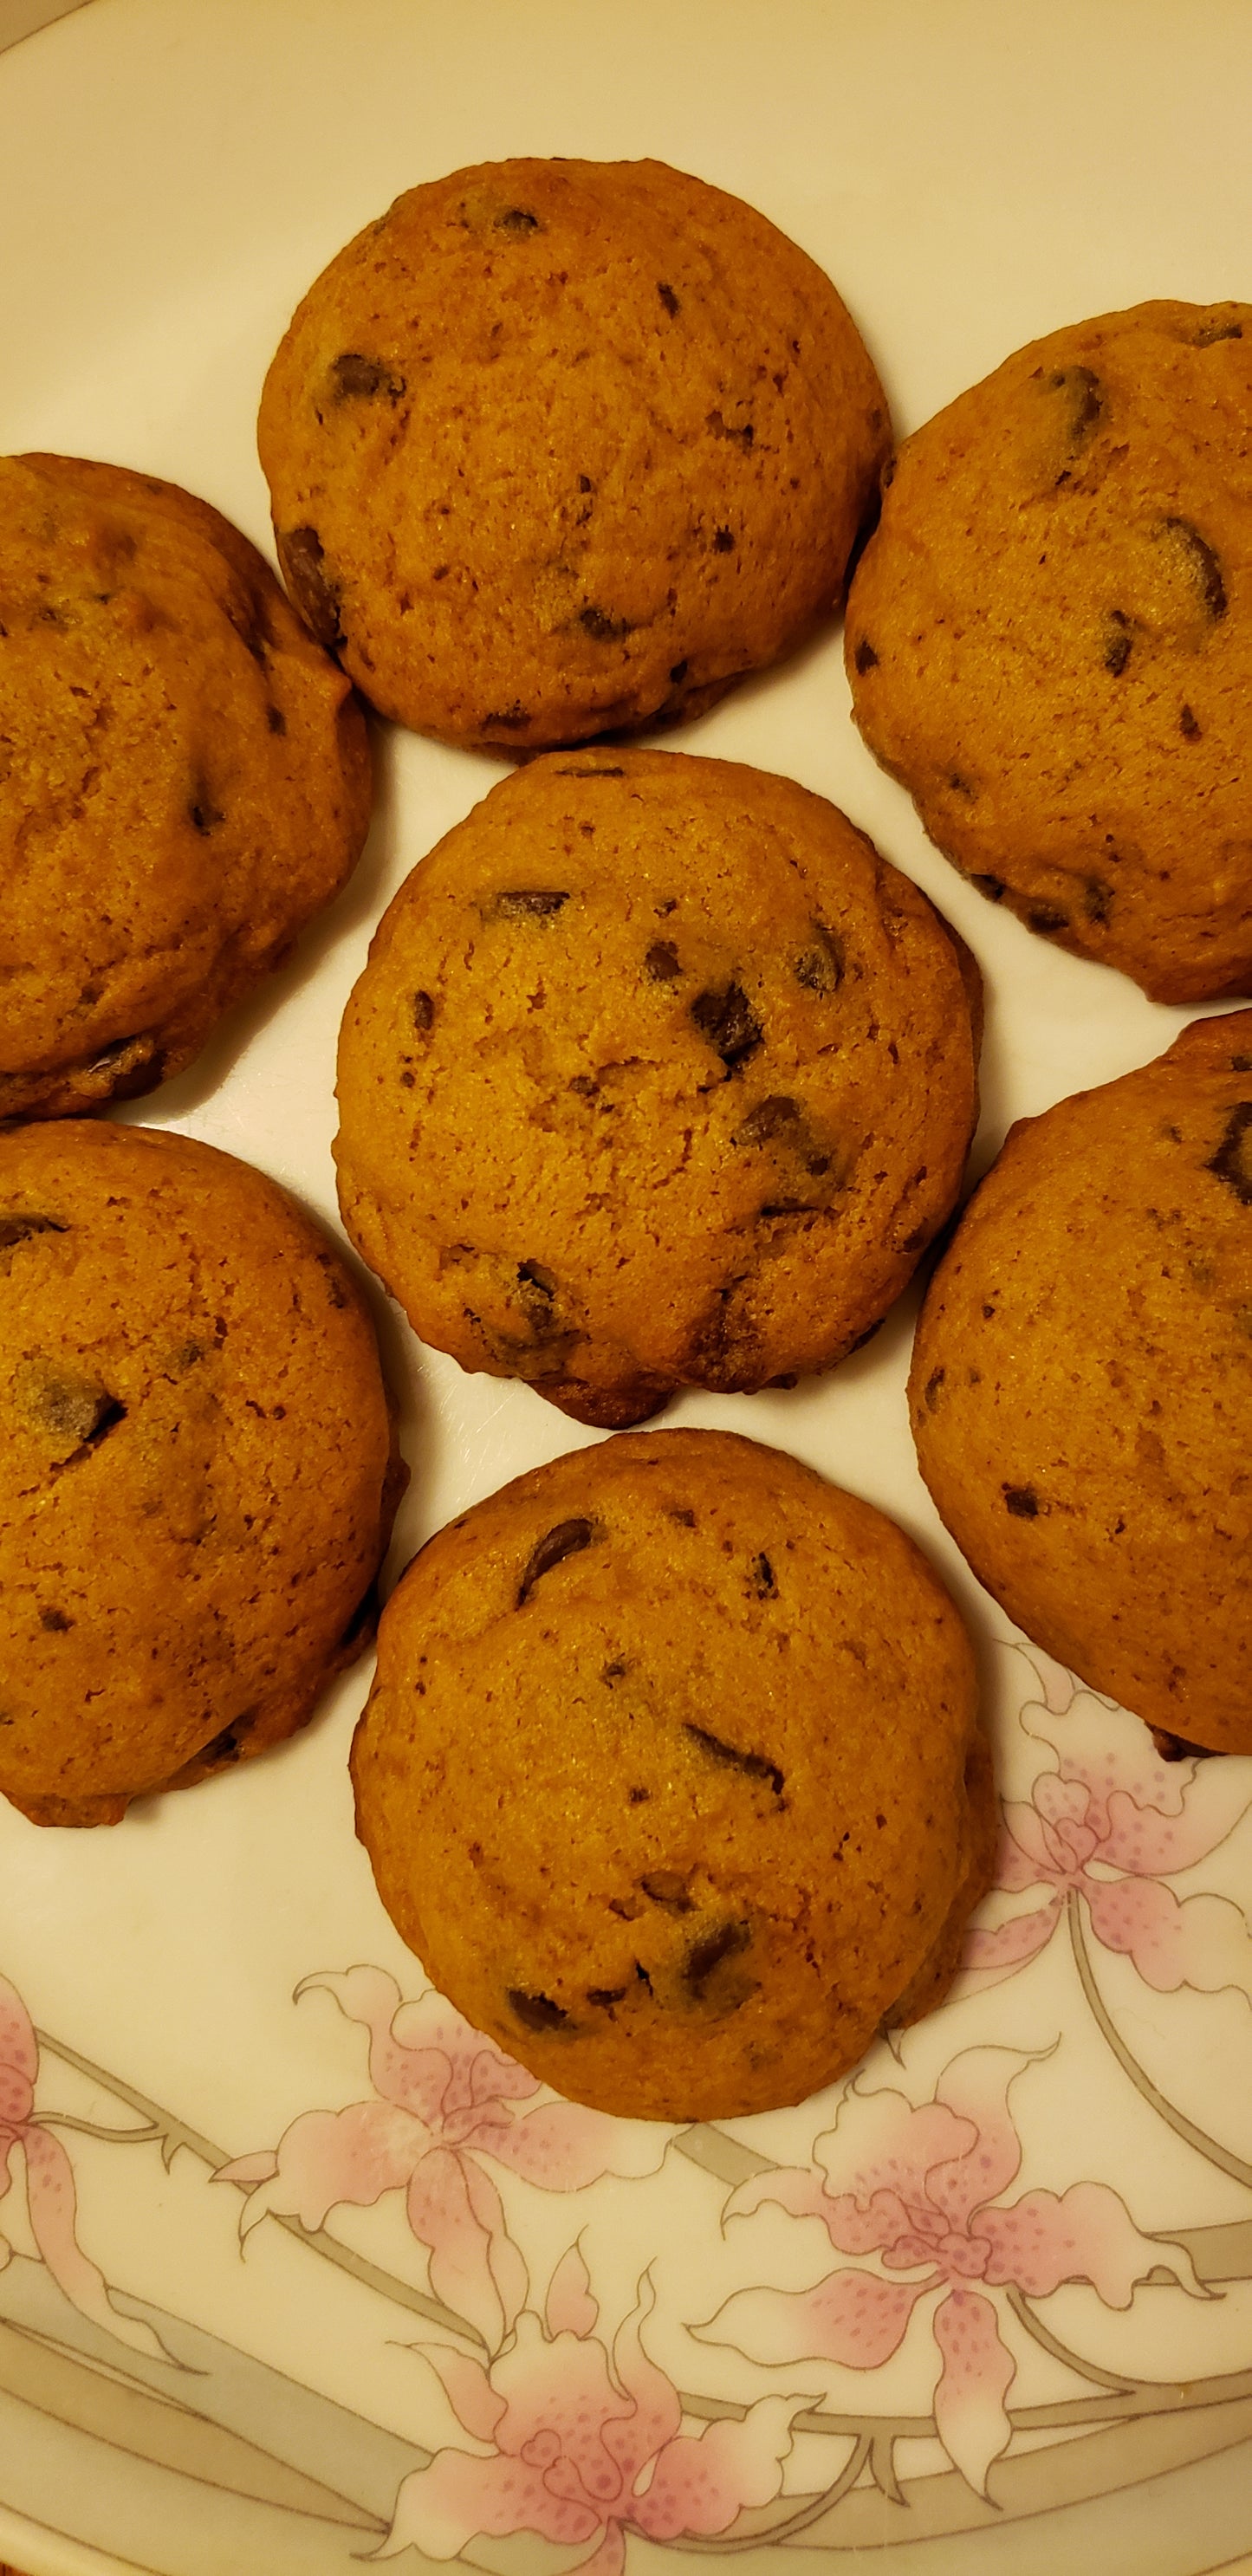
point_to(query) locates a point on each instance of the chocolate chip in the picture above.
(1022, 1501)
(745, 433)
(638, 1797)
(529, 902)
(276, 720)
(228, 1746)
(865, 658)
(315, 593)
(204, 813)
(1232, 1162)
(757, 1766)
(1202, 564)
(604, 1997)
(1187, 725)
(423, 1011)
(771, 1118)
(1210, 332)
(668, 299)
(536, 2012)
(517, 219)
(585, 1084)
(1241, 1064)
(1047, 917)
(591, 773)
(678, 673)
(993, 888)
(661, 962)
(512, 719)
(537, 1277)
(76, 1412)
(1096, 898)
(669, 1888)
(821, 968)
(726, 1019)
(55, 1621)
(723, 542)
(19, 1229)
(1085, 400)
(603, 628)
(615, 1671)
(787, 1207)
(354, 375)
(1118, 641)
(763, 1577)
(567, 1539)
(1175, 1748)
(728, 1941)
(930, 1391)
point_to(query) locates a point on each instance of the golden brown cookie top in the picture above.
(657, 1075)
(1081, 1390)
(196, 1468)
(664, 1772)
(1049, 640)
(556, 446)
(186, 779)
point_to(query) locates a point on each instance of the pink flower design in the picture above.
(446, 2097)
(51, 2200)
(1104, 1824)
(925, 2196)
(585, 2446)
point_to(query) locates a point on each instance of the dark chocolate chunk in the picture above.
(638, 1797)
(567, 1539)
(678, 674)
(315, 592)
(1096, 898)
(19, 1229)
(727, 1941)
(1022, 1501)
(517, 219)
(276, 720)
(1232, 1162)
(667, 1887)
(604, 1997)
(603, 628)
(1202, 563)
(763, 1577)
(821, 968)
(536, 902)
(1209, 332)
(723, 542)
(55, 1621)
(1084, 402)
(77, 1412)
(777, 1116)
(993, 888)
(1047, 917)
(423, 1011)
(668, 299)
(536, 2012)
(1187, 725)
(204, 813)
(757, 1765)
(354, 374)
(865, 658)
(1118, 641)
(931, 1389)
(726, 1019)
(661, 962)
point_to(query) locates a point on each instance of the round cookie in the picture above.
(197, 1466)
(1081, 1390)
(1049, 640)
(672, 1775)
(185, 779)
(561, 446)
(657, 1076)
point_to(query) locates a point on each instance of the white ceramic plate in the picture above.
(194, 2381)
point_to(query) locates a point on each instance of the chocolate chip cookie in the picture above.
(1049, 640)
(556, 447)
(672, 1775)
(184, 780)
(657, 1076)
(197, 1469)
(1081, 1389)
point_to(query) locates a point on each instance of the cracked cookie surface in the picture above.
(197, 1468)
(556, 447)
(657, 1076)
(184, 780)
(1049, 640)
(672, 1775)
(1081, 1390)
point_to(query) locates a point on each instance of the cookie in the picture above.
(197, 1467)
(556, 447)
(672, 1775)
(1081, 1390)
(1049, 640)
(185, 780)
(657, 1076)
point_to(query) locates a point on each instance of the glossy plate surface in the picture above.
(460, 2310)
